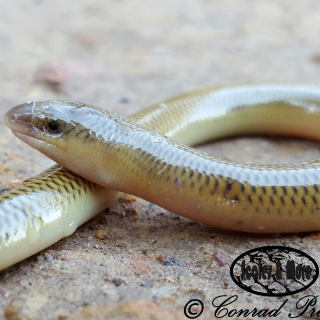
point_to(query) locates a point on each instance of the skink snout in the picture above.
(20, 113)
(19, 118)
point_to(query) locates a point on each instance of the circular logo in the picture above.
(274, 271)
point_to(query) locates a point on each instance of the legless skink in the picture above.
(136, 156)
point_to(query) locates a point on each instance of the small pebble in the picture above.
(133, 215)
(116, 281)
(100, 234)
(48, 256)
(221, 258)
(173, 261)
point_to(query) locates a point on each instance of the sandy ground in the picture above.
(125, 55)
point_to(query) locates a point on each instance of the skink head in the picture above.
(45, 121)
(51, 120)
(64, 131)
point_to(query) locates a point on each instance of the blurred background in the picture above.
(124, 55)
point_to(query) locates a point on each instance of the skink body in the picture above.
(148, 156)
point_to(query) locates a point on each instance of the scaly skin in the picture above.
(44, 209)
(125, 155)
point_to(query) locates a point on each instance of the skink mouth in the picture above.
(19, 118)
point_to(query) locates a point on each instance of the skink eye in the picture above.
(52, 127)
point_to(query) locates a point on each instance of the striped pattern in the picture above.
(148, 164)
(45, 209)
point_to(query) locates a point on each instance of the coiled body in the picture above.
(126, 155)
